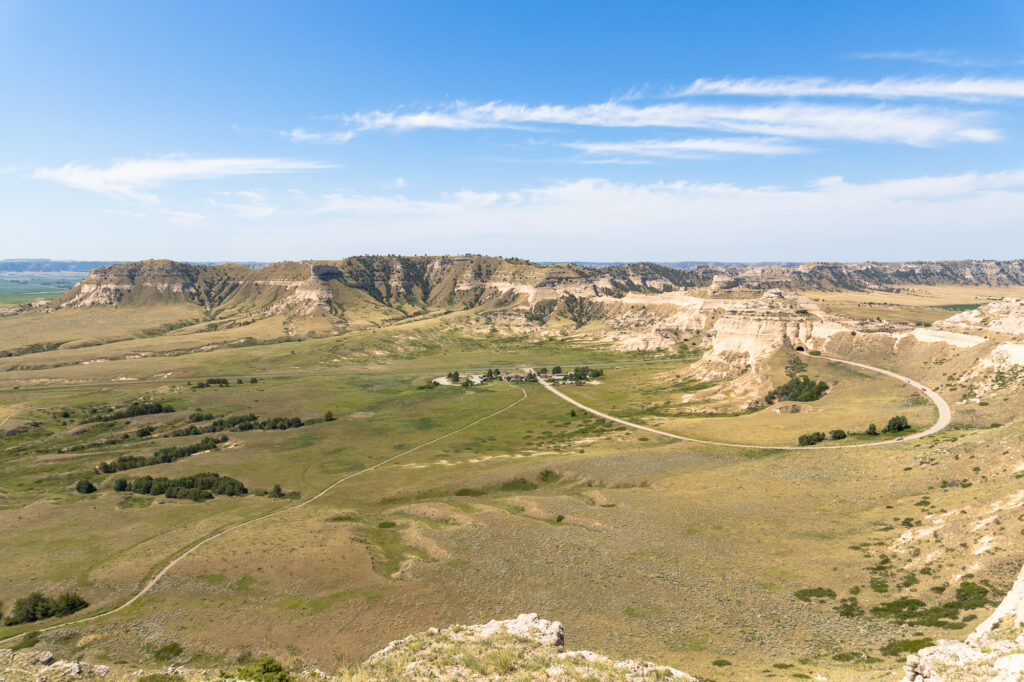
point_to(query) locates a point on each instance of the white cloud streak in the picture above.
(302, 135)
(832, 218)
(941, 57)
(131, 178)
(886, 88)
(912, 125)
(689, 148)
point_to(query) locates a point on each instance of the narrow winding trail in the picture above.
(942, 422)
(152, 582)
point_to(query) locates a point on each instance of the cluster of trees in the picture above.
(36, 606)
(198, 487)
(895, 425)
(161, 456)
(453, 376)
(134, 410)
(244, 422)
(492, 374)
(584, 373)
(800, 388)
(811, 438)
(214, 382)
(817, 436)
(248, 422)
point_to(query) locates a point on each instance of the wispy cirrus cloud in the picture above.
(133, 178)
(689, 148)
(302, 135)
(886, 88)
(842, 219)
(597, 191)
(939, 57)
(913, 125)
(250, 204)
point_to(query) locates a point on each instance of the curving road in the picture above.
(210, 538)
(943, 421)
(945, 415)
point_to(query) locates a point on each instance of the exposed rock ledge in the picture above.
(527, 647)
(994, 652)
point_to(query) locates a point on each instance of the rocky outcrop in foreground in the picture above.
(41, 665)
(524, 648)
(994, 652)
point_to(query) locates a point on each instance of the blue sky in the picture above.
(553, 131)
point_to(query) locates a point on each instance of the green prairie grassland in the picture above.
(644, 548)
(653, 396)
(25, 287)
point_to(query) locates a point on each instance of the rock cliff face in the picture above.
(738, 316)
(1006, 315)
(435, 280)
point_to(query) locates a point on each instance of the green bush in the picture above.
(800, 388)
(897, 424)
(837, 434)
(811, 438)
(167, 652)
(549, 476)
(265, 669)
(809, 593)
(85, 487)
(849, 608)
(968, 596)
(898, 647)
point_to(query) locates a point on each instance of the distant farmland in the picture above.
(25, 287)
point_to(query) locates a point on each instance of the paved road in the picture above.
(943, 421)
(210, 538)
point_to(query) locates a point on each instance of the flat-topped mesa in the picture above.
(745, 313)
(421, 280)
(436, 279)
